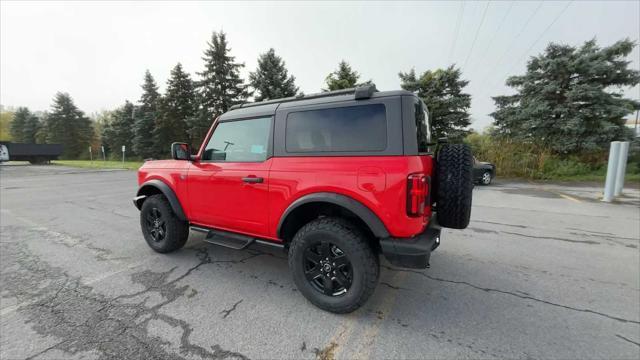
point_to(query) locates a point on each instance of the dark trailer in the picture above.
(33, 153)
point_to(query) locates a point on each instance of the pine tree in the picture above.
(442, 92)
(118, 131)
(344, 77)
(146, 115)
(177, 110)
(570, 99)
(198, 125)
(20, 118)
(69, 126)
(30, 129)
(221, 86)
(271, 79)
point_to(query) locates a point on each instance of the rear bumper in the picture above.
(412, 252)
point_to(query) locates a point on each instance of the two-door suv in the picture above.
(336, 179)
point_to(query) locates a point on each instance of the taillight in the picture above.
(417, 192)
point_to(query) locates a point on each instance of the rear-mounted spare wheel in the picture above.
(454, 188)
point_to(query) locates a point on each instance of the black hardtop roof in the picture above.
(269, 106)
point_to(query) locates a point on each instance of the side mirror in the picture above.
(180, 151)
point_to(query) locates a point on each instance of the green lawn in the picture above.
(99, 164)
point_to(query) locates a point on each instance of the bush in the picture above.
(532, 161)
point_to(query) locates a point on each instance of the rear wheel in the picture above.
(162, 229)
(333, 265)
(454, 186)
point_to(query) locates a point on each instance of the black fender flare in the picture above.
(143, 192)
(364, 213)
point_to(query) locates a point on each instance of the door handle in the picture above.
(252, 179)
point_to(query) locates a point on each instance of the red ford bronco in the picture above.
(336, 179)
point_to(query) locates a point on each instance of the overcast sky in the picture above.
(98, 52)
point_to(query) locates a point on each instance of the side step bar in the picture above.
(230, 240)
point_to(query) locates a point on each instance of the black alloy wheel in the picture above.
(327, 268)
(156, 226)
(333, 264)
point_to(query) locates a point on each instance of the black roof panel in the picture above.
(265, 108)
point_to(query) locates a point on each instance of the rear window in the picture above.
(344, 129)
(422, 127)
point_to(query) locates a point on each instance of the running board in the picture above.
(226, 239)
(229, 239)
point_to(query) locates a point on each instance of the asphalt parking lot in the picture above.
(543, 271)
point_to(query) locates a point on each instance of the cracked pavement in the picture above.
(536, 275)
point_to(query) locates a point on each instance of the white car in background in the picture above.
(4, 153)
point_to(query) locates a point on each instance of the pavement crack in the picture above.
(482, 231)
(391, 286)
(61, 306)
(516, 295)
(590, 242)
(45, 350)
(226, 312)
(503, 224)
(625, 339)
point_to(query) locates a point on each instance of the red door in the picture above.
(228, 188)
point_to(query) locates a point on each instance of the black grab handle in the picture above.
(252, 179)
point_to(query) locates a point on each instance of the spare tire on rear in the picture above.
(454, 185)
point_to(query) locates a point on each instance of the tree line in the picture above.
(570, 99)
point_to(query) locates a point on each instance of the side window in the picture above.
(422, 126)
(238, 141)
(343, 129)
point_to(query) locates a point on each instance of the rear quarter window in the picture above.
(422, 127)
(344, 129)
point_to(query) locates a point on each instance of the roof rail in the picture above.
(361, 92)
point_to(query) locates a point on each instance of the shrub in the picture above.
(528, 160)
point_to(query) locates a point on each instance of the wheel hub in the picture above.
(155, 224)
(328, 269)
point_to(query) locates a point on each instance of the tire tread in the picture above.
(455, 185)
(177, 230)
(363, 251)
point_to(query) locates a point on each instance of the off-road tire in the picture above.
(454, 188)
(176, 230)
(363, 260)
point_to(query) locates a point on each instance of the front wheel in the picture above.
(162, 229)
(333, 265)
